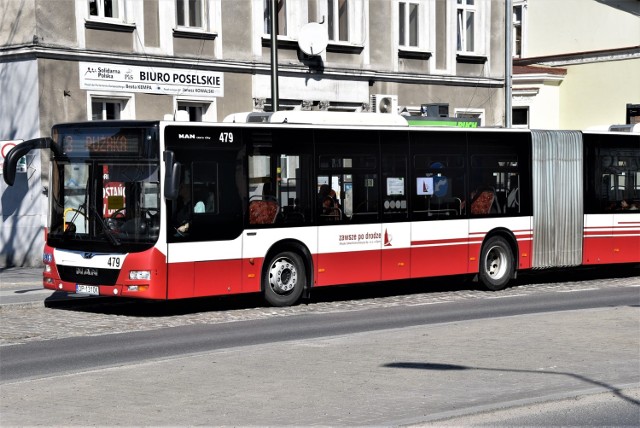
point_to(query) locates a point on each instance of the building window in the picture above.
(199, 111)
(105, 8)
(110, 107)
(338, 20)
(281, 6)
(466, 23)
(106, 109)
(409, 24)
(195, 112)
(520, 117)
(189, 13)
(517, 32)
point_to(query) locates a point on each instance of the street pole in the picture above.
(508, 63)
(274, 55)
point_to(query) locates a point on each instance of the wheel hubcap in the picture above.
(282, 276)
(496, 263)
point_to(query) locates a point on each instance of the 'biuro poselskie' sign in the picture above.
(153, 80)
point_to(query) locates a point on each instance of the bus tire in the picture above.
(284, 279)
(497, 264)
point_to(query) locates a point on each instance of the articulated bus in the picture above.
(283, 202)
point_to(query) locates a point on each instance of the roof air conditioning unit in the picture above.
(384, 103)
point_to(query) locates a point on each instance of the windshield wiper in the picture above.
(107, 232)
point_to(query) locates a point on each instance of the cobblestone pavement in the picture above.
(26, 322)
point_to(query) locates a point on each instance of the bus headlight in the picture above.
(140, 275)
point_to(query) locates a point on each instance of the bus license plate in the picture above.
(92, 290)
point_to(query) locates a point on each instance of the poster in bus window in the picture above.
(395, 186)
(425, 186)
(113, 195)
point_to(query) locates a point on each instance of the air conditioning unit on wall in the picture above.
(381, 103)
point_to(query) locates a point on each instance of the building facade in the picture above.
(577, 66)
(76, 60)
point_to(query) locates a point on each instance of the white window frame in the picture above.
(283, 17)
(333, 20)
(129, 12)
(186, 14)
(296, 15)
(426, 28)
(463, 9)
(209, 107)
(404, 17)
(522, 4)
(126, 101)
(101, 11)
(356, 25)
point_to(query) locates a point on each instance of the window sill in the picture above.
(413, 54)
(471, 58)
(95, 24)
(283, 42)
(185, 33)
(343, 47)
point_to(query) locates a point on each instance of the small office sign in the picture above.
(152, 80)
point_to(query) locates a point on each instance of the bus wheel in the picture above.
(496, 264)
(284, 280)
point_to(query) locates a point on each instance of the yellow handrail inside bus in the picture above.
(64, 217)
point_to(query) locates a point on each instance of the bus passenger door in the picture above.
(348, 208)
(440, 228)
(350, 235)
(396, 251)
(396, 229)
(205, 222)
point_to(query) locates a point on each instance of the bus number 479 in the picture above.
(226, 137)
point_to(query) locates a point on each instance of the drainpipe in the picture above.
(275, 101)
(508, 62)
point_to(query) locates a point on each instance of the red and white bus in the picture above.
(282, 203)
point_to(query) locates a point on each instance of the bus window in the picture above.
(347, 188)
(276, 188)
(620, 180)
(205, 187)
(439, 186)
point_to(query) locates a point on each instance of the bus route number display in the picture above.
(82, 143)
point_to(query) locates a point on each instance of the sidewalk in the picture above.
(21, 276)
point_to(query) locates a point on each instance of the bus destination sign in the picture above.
(82, 142)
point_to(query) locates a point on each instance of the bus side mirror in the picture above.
(171, 176)
(14, 155)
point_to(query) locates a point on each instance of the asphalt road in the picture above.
(547, 355)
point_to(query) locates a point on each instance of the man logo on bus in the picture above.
(192, 136)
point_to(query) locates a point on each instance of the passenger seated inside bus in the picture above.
(183, 216)
(329, 205)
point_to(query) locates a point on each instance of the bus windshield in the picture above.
(104, 201)
(104, 187)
